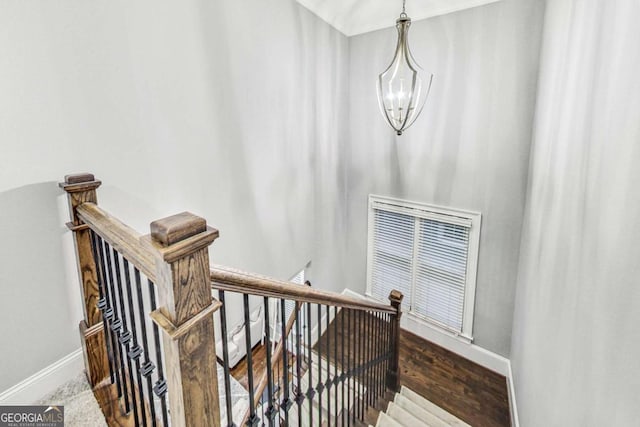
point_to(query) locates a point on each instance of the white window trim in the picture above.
(452, 215)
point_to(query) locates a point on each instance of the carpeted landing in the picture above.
(80, 407)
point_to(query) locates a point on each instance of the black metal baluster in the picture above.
(160, 388)
(253, 419)
(372, 358)
(380, 345)
(320, 386)
(286, 403)
(225, 358)
(108, 313)
(361, 363)
(125, 335)
(368, 341)
(376, 346)
(385, 351)
(327, 332)
(278, 389)
(365, 352)
(113, 319)
(349, 366)
(125, 338)
(310, 391)
(335, 363)
(389, 346)
(384, 356)
(102, 301)
(343, 374)
(136, 351)
(271, 411)
(372, 355)
(147, 367)
(354, 364)
(299, 395)
(377, 353)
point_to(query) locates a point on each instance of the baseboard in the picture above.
(45, 381)
(472, 352)
(513, 407)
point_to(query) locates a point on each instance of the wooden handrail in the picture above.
(135, 247)
(141, 251)
(229, 279)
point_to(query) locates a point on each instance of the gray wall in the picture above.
(224, 109)
(576, 334)
(469, 148)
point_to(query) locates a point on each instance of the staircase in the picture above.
(409, 409)
(152, 317)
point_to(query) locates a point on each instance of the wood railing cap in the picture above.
(396, 296)
(179, 235)
(79, 182)
(175, 228)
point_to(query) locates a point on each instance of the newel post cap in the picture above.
(395, 297)
(178, 235)
(79, 182)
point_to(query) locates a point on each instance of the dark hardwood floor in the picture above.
(259, 361)
(471, 392)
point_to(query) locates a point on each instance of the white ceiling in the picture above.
(352, 17)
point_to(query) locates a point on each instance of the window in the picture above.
(429, 254)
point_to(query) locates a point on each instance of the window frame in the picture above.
(442, 214)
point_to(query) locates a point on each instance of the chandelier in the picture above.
(402, 91)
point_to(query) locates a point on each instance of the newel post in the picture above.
(393, 373)
(186, 317)
(81, 188)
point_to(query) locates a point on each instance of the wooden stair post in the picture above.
(81, 188)
(393, 373)
(186, 317)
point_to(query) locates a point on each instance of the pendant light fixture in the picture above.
(402, 90)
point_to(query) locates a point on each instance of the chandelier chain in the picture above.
(403, 5)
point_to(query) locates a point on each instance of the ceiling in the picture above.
(352, 17)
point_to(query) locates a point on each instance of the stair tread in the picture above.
(431, 407)
(422, 414)
(385, 420)
(403, 416)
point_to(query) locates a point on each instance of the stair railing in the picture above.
(124, 277)
(336, 356)
(149, 341)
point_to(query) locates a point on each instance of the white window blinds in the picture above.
(392, 265)
(424, 252)
(441, 272)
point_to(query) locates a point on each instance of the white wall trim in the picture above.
(475, 353)
(513, 407)
(45, 381)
